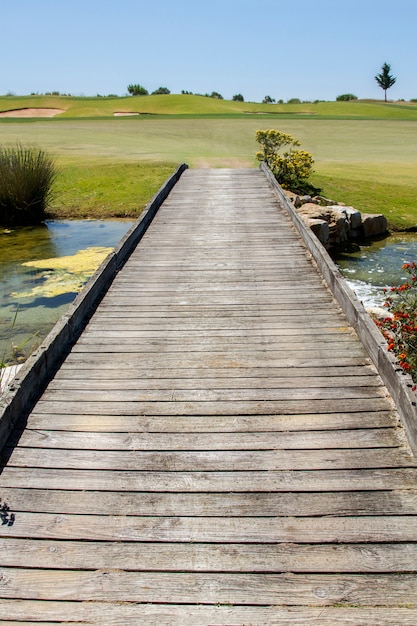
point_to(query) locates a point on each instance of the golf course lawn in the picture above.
(112, 166)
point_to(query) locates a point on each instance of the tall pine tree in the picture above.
(385, 80)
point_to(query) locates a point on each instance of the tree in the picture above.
(137, 90)
(238, 97)
(346, 97)
(385, 80)
(268, 100)
(216, 94)
(161, 90)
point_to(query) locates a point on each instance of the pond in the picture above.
(373, 265)
(42, 268)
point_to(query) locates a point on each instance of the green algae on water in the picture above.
(65, 274)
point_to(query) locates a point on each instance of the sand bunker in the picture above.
(121, 113)
(41, 112)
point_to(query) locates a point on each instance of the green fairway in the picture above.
(369, 163)
(174, 104)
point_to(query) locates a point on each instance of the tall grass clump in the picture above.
(27, 175)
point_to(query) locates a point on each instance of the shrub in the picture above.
(293, 167)
(161, 91)
(346, 97)
(400, 329)
(137, 90)
(27, 175)
(294, 101)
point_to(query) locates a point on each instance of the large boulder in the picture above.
(374, 224)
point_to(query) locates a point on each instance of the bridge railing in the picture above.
(25, 389)
(398, 382)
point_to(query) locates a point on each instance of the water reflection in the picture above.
(22, 285)
(377, 264)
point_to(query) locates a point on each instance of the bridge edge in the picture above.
(398, 383)
(25, 389)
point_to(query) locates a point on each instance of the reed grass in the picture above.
(27, 175)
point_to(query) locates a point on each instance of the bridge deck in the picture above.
(217, 448)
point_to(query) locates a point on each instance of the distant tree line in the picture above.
(384, 79)
(138, 90)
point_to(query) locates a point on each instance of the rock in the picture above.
(374, 224)
(378, 313)
(339, 228)
(321, 229)
(343, 222)
(324, 201)
(354, 217)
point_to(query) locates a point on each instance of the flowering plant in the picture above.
(400, 328)
(292, 167)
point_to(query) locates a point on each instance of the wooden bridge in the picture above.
(218, 446)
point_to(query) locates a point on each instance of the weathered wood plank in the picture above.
(244, 589)
(209, 423)
(187, 380)
(200, 557)
(212, 482)
(248, 394)
(180, 340)
(131, 613)
(307, 440)
(204, 461)
(266, 503)
(173, 341)
(321, 373)
(226, 360)
(258, 407)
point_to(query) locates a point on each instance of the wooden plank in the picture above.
(134, 614)
(297, 360)
(209, 347)
(258, 407)
(304, 440)
(212, 482)
(75, 380)
(243, 589)
(266, 503)
(219, 395)
(270, 338)
(204, 461)
(234, 375)
(208, 423)
(202, 557)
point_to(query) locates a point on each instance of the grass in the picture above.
(97, 189)
(174, 104)
(365, 152)
(386, 188)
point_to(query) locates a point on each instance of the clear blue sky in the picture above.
(309, 49)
